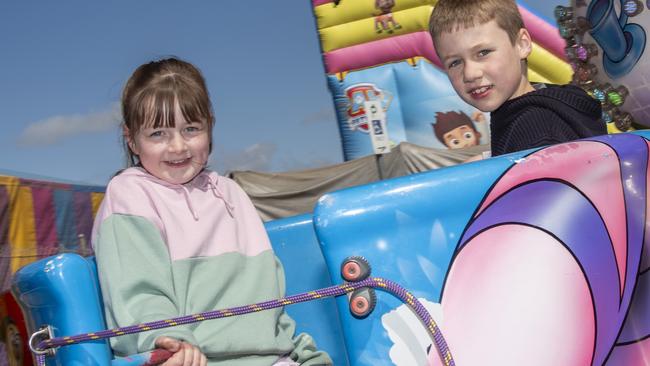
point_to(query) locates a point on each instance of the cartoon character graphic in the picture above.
(357, 95)
(456, 130)
(553, 267)
(385, 18)
(622, 43)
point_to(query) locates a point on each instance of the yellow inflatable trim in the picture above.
(329, 14)
(365, 30)
(549, 66)
(413, 61)
(534, 77)
(611, 128)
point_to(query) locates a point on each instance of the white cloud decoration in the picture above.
(409, 336)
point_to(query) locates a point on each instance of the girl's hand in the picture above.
(185, 354)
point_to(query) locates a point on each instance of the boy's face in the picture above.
(484, 67)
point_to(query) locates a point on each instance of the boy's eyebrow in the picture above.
(475, 47)
(481, 45)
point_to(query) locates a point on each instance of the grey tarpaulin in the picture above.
(278, 195)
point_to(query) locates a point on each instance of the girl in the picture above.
(174, 238)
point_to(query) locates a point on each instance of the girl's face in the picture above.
(173, 154)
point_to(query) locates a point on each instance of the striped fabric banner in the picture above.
(42, 218)
(5, 253)
(22, 233)
(84, 220)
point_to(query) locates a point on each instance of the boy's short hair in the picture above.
(451, 15)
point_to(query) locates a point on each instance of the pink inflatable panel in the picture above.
(381, 52)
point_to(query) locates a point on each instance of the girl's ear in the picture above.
(126, 133)
(524, 43)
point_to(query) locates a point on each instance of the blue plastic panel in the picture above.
(62, 291)
(407, 228)
(295, 244)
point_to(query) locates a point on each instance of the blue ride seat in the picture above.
(63, 291)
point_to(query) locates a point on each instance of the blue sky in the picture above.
(63, 65)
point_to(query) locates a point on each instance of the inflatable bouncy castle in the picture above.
(380, 51)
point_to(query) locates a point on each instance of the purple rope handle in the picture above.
(332, 291)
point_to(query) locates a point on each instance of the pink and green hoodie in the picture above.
(165, 250)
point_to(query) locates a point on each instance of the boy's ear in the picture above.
(524, 43)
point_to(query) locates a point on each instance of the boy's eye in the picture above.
(482, 53)
(453, 63)
(468, 135)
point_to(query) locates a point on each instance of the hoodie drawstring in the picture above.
(188, 200)
(204, 181)
(218, 194)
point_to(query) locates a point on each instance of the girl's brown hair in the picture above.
(152, 93)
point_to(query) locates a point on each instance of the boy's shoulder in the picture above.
(555, 91)
(560, 99)
(550, 114)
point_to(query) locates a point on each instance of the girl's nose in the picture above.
(177, 143)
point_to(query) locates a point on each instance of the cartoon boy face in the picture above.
(459, 137)
(456, 130)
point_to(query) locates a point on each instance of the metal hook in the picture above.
(43, 333)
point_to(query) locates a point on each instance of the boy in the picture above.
(483, 46)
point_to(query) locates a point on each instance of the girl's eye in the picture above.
(156, 134)
(193, 129)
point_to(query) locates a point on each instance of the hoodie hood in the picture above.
(205, 180)
(579, 110)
